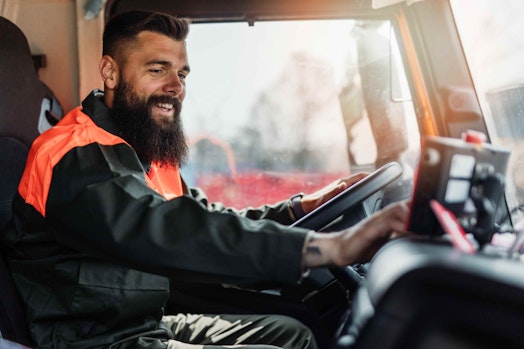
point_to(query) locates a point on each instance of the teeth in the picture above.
(165, 105)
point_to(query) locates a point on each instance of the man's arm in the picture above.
(98, 203)
(277, 212)
(282, 212)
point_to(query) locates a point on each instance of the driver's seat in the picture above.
(27, 108)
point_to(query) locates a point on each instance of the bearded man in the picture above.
(104, 219)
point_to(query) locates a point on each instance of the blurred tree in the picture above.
(283, 118)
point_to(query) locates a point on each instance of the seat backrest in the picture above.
(12, 161)
(27, 108)
(12, 316)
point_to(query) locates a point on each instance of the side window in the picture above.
(283, 107)
(493, 45)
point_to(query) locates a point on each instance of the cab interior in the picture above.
(337, 87)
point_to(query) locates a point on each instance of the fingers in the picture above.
(347, 182)
(355, 178)
(391, 221)
(358, 243)
(363, 240)
(312, 201)
(397, 215)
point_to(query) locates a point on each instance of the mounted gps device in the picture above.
(467, 178)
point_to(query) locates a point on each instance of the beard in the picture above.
(154, 141)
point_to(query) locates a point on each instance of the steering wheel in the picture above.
(349, 207)
(350, 197)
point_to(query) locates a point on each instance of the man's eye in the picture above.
(155, 71)
(182, 76)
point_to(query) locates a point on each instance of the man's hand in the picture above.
(312, 201)
(359, 243)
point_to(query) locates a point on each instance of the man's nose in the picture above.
(174, 86)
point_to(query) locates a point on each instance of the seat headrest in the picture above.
(22, 94)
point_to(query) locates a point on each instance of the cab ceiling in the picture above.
(249, 10)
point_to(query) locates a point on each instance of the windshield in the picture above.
(282, 107)
(491, 34)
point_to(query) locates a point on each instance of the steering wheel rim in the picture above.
(350, 197)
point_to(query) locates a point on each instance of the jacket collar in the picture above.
(93, 106)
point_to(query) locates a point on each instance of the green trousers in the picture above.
(197, 331)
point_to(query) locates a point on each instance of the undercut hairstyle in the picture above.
(121, 31)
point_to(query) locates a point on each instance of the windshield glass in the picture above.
(491, 34)
(282, 107)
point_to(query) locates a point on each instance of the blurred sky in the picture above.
(232, 63)
(493, 38)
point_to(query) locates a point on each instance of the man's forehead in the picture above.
(153, 35)
(158, 46)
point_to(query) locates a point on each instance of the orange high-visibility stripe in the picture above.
(76, 129)
(165, 180)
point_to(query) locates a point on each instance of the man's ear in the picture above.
(109, 72)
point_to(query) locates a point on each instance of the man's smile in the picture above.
(163, 111)
(165, 106)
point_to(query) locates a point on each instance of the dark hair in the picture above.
(122, 29)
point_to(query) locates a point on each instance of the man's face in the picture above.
(148, 98)
(157, 65)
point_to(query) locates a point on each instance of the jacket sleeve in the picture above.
(99, 204)
(277, 212)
